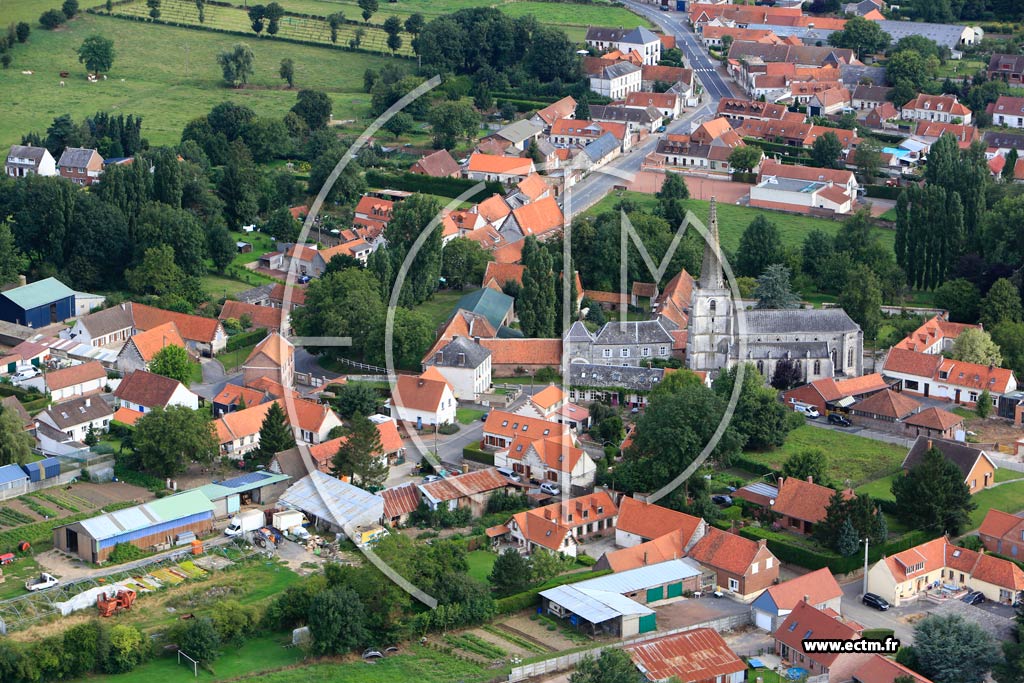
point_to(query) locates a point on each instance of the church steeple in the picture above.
(711, 266)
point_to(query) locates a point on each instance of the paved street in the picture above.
(893, 618)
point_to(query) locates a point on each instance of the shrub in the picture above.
(448, 428)
(51, 19)
(125, 552)
(478, 455)
(445, 187)
(244, 339)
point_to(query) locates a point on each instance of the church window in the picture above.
(849, 357)
(760, 366)
(817, 367)
(799, 366)
(712, 307)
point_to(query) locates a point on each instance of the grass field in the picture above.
(480, 564)
(25, 10)
(167, 75)
(441, 306)
(852, 458)
(879, 489)
(468, 416)
(1008, 498)
(733, 220)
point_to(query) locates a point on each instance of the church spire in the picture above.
(711, 266)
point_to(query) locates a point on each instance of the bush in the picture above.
(790, 549)
(546, 374)
(51, 19)
(521, 601)
(125, 552)
(243, 339)
(742, 462)
(586, 560)
(478, 455)
(448, 428)
(882, 191)
(444, 187)
(877, 633)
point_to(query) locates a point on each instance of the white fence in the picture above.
(564, 662)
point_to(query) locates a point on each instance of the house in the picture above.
(503, 428)
(140, 349)
(260, 317)
(881, 116)
(804, 189)
(273, 358)
(204, 336)
(934, 423)
(617, 80)
(802, 504)
(462, 323)
(311, 422)
(818, 589)
(1008, 68)
(560, 527)
(564, 108)
(496, 307)
(679, 80)
(494, 210)
(465, 365)
(391, 446)
(541, 219)
(944, 108)
(906, 576)
(238, 432)
(38, 304)
(76, 417)
(868, 97)
(439, 164)
(553, 460)
(640, 522)
(935, 335)
(830, 101)
(1008, 111)
(880, 669)
(700, 656)
(511, 357)
(25, 160)
(1003, 533)
(885, 410)
(931, 131)
(579, 132)
(708, 147)
(507, 170)
(795, 133)
(80, 166)
(143, 391)
(938, 377)
(826, 393)
(735, 109)
(862, 8)
(552, 404)
(426, 400)
(743, 567)
(233, 397)
(531, 189)
(806, 622)
(108, 327)
(615, 384)
(498, 274)
(668, 104)
(83, 379)
(975, 464)
(471, 490)
(516, 136)
(637, 120)
(625, 40)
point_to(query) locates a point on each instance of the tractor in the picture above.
(110, 605)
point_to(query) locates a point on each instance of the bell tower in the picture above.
(711, 310)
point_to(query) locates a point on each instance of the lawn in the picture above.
(195, 373)
(441, 305)
(232, 359)
(480, 564)
(1003, 474)
(26, 10)
(851, 458)
(167, 75)
(733, 220)
(468, 416)
(879, 489)
(218, 286)
(1008, 498)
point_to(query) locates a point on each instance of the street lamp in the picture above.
(866, 541)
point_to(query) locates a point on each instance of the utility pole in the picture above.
(867, 542)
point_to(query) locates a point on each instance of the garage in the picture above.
(647, 623)
(656, 593)
(763, 620)
(675, 590)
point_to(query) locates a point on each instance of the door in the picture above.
(71, 540)
(655, 593)
(763, 620)
(926, 387)
(956, 397)
(675, 590)
(648, 623)
(53, 313)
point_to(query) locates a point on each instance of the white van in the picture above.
(806, 410)
(25, 373)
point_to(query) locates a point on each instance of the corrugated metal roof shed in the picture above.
(39, 293)
(148, 514)
(643, 577)
(595, 606)
(12, 473)
(241, 484)
(337, 502)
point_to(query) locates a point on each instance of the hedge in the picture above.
(520, 601)
(445, 187)
(478, 455)
(41, 532)
(787, 549)
(521, 106)
(739, 177)
(744, 463)
(243, 339)
(882, 191)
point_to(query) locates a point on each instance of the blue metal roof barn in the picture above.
(12, 477)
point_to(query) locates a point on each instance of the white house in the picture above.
(75, 417)
(143, 391)
(109, 327)
(668, 104)
(789, 194)
(554, 460)
(424, 400)
(640, 39)
(1008, 111)
(617, 80)
(465, 365)
(943, 108)
(25, 160)
(77, 380)
(508, 170)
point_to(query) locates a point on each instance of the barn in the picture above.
(230, 495)
(38, 304)
(158, 522)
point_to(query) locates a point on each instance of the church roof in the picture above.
(770, 321)
(794, 350)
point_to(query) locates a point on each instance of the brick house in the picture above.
(744, 567)
(977, 467)
(802, 504)
(80, 166)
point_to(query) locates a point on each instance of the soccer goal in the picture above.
(191, 663)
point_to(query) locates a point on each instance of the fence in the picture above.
(564, 662)
(34, 486)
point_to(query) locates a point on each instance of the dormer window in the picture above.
(914, 568)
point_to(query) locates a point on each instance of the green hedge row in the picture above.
(445, 187)
(744, 463)
(42, 532)
(243, 339)
(788, 549)
(882, 191)
(520, 601)
(478, 455)
(738, 177)
(522, 106)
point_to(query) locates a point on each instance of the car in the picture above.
(660, 129)
(807, 411)
(837, 419)
(24, 374)
(304, 279)
(431, 478)
(664, 8)
(876, 601)
(974, 598)
(483, 418)
(509, 474)
(721, 500)
(372, 653)
(550, 489)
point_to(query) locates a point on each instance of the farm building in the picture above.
(38, 304)
(230, 495)
(154, 523)
(334, 503)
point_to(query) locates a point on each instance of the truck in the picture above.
(41, 582)
(291, 523)
(245, 521)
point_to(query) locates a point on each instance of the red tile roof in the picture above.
(818, 586)
(419, 393)
(721, 550)
(879, 669)
(804, 500)
(806, 622)
(489, 163)
(940, 553)
(463, 485)
(650, 521)
(540, 217)
(232, 394)
(439, 164)
(127, 416)
(74, 375)
(670, 546)
(524, 351)
(974, 376)
(150, 342)
(998, 523)
(191, 327)
(265, 317)
(697, 655)
(241, 423)
(938, 103)
(504, 272)
(509, 253)
(887, 404)
(562, 109)
(935, 418)
(911, 362)
(549, 525)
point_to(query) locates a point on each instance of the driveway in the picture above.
(899, 619)
(866, 433)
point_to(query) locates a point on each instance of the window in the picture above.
(973, 396)
(849, 357)
(768, 563)
(607, 353)
(624, 353)
(712, 307)
(910, 385)
(662, 350)
(817, 367)
(646, 351)
(734, 585)
(753, 568)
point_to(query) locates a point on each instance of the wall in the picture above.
(41, 485)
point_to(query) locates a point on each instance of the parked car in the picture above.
(42, 582)
(974, 598)
(550, 489)
(431, 478)
(304, 279)
(721, 500)
(876, 601)
(24, 374)
(483, 418)
(837, 419)
(660, 129)
(807, 411)
(509, 474)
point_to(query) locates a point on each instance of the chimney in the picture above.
(22, 281)
(810, 479)
(929, 444)
(645, 558)
(88, 402)
(762, 543)
(807, 599)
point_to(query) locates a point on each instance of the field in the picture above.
(441, 305)
(167, 75)
(851, 458)
(25, 10)
(480, 564)
(1007, 497)
(733, 220)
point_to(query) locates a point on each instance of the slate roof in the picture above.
(637, 379)
(633, 332)
(600, 112)
(855, 73)
(75, 412)
(27, 152)
(605, 34)
(962, 455)
(108, 320)
(601, 147)
(147, 389)
(794, 350)
(578, 332)
(76, 157)
(617, 70)
(39, 293)
(799, 320)
(460, 352)
(639, 36)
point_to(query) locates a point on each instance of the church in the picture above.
(820, 342)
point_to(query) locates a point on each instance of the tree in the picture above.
(233, 621)
(359, 454)
(236, 64)
(537, 300)
(582, 112)
(761, 420)
(51, 19)
(1009, 164)
(22, 31)
(674, 187)
(69, 8)
(1010, 338)
(201, 9)
(773, 290)
(744, 158)
(255, 13)
(863, 302)
(613, 666)
(392, 27)
(275, 435)
(172, 361)
(198, 639)
(345, 304)
(463, 262)
(952, 650)
(368, 7)
(236, 189)
(868, 158)
(156, 274)
(97, 53)
(313, 107)
(809, 462)
(15, 443)
(826, 150)
(511, 572)
(356, 397)
(221, 247)
(12, 262)
(357, 38)
(932, 495)
(907, 67)
(452, 121)
(336, 619)
(847, 541)
(786, 375)
(760, 247)
(984, 404)
(861, 36)
(399, 124)
(273, 13)
(959, 297)
(976, 346)
(1002, 304)
(287, 71)
(167, 440)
